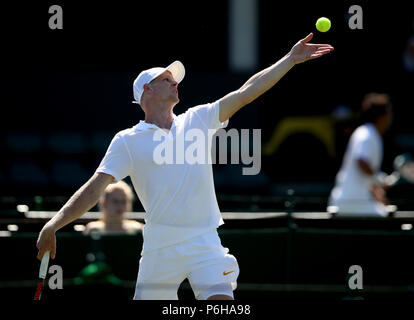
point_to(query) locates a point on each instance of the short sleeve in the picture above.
(209, 115)
(365, 149)
(117, 161)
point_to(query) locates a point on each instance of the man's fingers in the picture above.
(323, 51)
(307, 38)
(320, 45)
(46, 247)
(40, 254)
(314, 56)
(320, 52)
(325, 48)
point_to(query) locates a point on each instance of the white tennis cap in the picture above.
(176, 68)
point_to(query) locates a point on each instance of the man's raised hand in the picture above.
(303, 50)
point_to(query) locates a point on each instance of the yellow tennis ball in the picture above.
(323, 24)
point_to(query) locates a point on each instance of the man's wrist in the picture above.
(51, 226)
(290, 60)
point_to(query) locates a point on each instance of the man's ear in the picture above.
(147, 87)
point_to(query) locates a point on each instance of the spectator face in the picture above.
(116, 204)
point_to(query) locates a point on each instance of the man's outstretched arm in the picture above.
(267, 78)
(82, 201)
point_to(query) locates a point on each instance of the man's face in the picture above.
(116, 203)
(164, 87)
(384, 122)
(388, 119)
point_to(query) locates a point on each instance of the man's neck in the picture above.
(379, 128)
(163, 120)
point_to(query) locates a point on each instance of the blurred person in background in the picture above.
(408, 55)
(360, 185)
(344, 120)
(114, 202)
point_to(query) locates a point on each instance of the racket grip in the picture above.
(44, 264)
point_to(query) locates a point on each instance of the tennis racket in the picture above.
(404, 171)
(42, 275)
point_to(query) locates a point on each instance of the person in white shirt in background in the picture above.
(181, 209)
(360, 185)
(114, 203)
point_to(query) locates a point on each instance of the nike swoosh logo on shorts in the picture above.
(226, 273)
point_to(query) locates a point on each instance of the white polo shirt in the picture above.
(351, 193)
(179, 199)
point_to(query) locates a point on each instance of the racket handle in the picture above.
(44, 264)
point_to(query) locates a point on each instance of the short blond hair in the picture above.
(120, 185)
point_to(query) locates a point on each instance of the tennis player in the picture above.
(181, 210)
(360, 185)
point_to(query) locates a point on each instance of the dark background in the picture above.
(67, 92)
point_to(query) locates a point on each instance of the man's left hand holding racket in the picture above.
(46, 243)
(42, 275)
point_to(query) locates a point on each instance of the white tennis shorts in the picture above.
(203, 260)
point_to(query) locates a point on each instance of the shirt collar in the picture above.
(144, 126)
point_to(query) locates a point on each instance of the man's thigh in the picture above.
(159, 277)
(215, 277)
